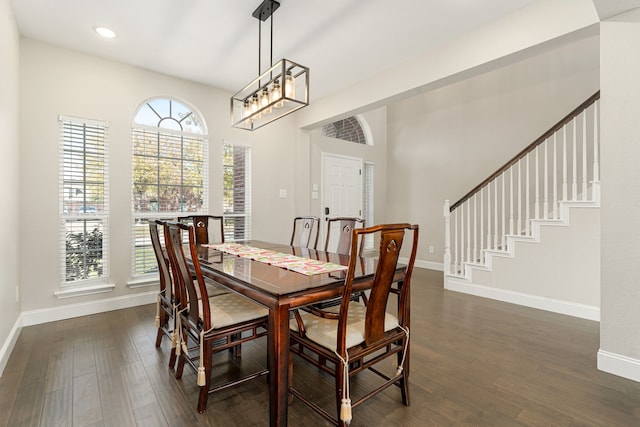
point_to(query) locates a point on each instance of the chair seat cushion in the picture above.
(231, 308)
(325, 331)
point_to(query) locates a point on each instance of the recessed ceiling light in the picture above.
(105, 32)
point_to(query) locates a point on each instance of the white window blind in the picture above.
(84, 200)
(170, 174)
(236, 192)
(368, 201)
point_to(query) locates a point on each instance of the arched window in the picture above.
(348, 129)
(170, 175)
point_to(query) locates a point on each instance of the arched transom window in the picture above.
(348, 129)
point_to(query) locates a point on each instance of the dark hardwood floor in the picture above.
(473, 362)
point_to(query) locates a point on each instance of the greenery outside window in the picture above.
(170, 175)
(236, 192)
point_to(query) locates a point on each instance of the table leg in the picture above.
(278, 365)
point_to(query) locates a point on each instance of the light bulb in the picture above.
(289, 85)
(276, 94)
(246, 109)
(264, 100)
(255, 105)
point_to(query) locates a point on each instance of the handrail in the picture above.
(528, 149)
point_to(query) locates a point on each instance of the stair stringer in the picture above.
(481, 279)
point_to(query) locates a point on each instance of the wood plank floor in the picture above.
(474, 362)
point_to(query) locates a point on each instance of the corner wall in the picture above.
(620, 133)
(9, 178)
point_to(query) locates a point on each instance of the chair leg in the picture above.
(182, 359)
(404, 382)
(172, 358)
(159, 336)
(237, 350)
(160, 333)
(204, 390)
(339, 383)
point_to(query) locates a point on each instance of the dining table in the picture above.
(280, 290)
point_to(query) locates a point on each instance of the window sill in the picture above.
(78, 291)
(143, 281)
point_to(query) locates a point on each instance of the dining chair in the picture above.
(167, 299)
(305, 227)
(344, 227)
(208, 228)
(208, 324)
(350, 338)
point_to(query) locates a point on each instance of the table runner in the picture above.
(298, 264)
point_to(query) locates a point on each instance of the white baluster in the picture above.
(584, 155)
(495, 215)
(489, 216)
(456, 246)
(527, 226)
(481, 235)
(537, 201)
(555, 177)
(447, 238)
(468, 254)
(511, 201)
(596, 161)
(574, 181)
(475, 227)
(519, 196)
(504, 218)
(545, 179)
(564, 164)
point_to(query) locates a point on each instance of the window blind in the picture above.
(170, 178)
(236, 198)
(84, 199)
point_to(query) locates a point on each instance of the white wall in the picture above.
(620, 133)
(9, 160)
(444, 142)
(58, 81)
(375, 153)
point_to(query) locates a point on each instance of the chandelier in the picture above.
(280, 90)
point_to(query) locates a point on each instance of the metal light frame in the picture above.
(279, 91)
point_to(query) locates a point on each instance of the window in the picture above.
(368, 201)
(236, 192)
(170, 158)
(348, 129)
(83, 200)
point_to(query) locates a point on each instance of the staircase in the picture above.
(530, 200)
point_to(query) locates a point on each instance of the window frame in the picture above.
(78, 173)
(140, 240)
(230, 217)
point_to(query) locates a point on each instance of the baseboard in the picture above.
(10, 343)
(619, 365)
(549, 304)
(429, 265)
(52, 314)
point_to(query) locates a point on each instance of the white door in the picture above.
(341, 189)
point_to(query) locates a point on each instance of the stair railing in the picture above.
(562, 165)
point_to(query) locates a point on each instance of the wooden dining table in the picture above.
(281, 290)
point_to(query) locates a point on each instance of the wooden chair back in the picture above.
(193, 290)
(161, 257)
(208, 228)
(345, 227)
(391, 240)
(306, 228)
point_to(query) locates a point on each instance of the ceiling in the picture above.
(215, 42)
